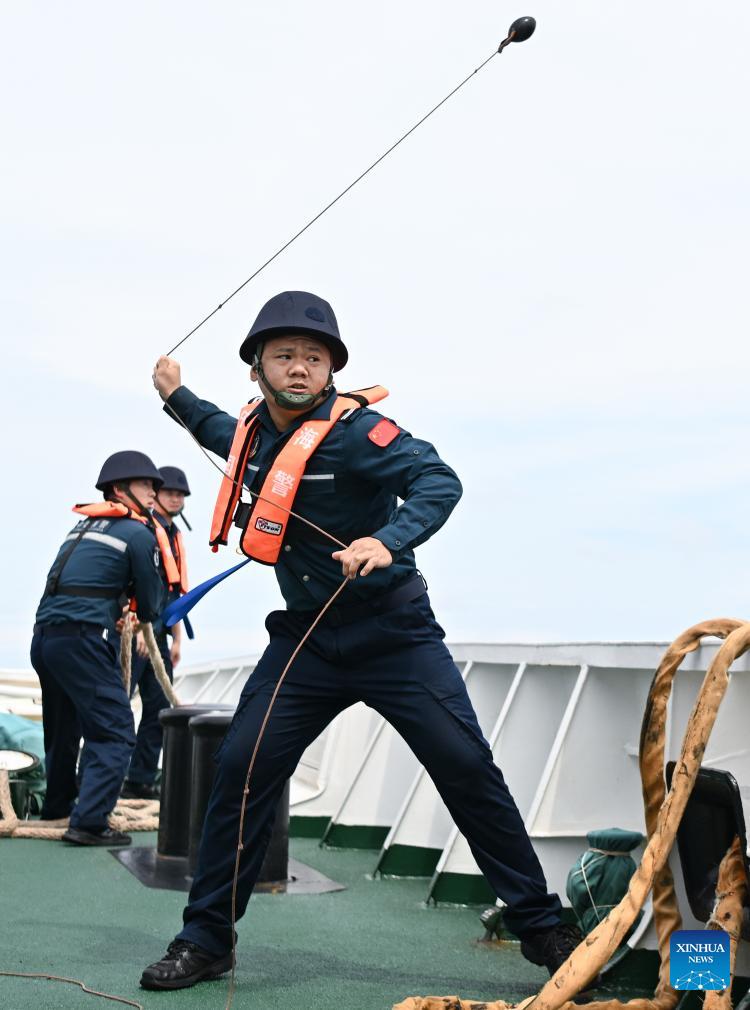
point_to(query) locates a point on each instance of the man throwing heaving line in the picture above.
(330, 458)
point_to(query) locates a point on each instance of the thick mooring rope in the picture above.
(126, 651)
(158, 664)
(12, 827)
(129, 629)
(128, 815)
(663, 813)
(731, 896)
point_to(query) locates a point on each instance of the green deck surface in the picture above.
(80, 913)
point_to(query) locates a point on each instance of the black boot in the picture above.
(552, 947)
(183, 965)
(139, 791)
(79, 836)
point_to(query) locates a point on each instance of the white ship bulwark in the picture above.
(563, 721)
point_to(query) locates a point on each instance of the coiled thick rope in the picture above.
(663, 813)
(128, 815)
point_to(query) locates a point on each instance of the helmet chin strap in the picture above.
(139, 506)
(290, 401)
(179, 514)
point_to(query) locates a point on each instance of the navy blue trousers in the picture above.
(145, 760)
(82, 696)
(397, 664)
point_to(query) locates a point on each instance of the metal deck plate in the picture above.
(171, 874)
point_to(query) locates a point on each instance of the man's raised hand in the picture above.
(166, 376)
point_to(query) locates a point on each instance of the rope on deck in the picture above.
(73, 981)
(663, 813)
(128, 815)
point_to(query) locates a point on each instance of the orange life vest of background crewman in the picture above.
(116, 510)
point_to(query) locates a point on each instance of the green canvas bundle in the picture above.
(599, 879)
(28, 786)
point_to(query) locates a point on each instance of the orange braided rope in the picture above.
(663, 813)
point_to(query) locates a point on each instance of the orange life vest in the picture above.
(264, 529)
(175, 569)
(180, 560)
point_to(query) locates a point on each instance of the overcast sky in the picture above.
(550, 276)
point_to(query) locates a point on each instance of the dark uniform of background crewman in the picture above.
(103, 561)
(140, 782)
(379, 643)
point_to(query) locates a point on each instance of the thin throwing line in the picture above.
(246, 790)
(72, 981)
(331, 204)
(223, 473)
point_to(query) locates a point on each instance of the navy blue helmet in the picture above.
(128, 465)
(299, 313)
(174, 479)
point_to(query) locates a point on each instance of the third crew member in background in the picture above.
(141, 781)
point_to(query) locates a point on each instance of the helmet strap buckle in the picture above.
(291, 401)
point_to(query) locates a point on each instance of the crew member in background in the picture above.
(141, 781)
(111, 555)
(343, 467)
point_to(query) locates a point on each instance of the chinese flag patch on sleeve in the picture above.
(384, 433)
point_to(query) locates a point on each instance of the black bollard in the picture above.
(207, 732)
(174, 808)
(276, 863)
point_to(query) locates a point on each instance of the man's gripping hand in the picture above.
(366, 551)
(166, 376)
(140, 645)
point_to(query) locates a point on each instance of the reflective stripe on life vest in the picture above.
(116, 510)
(264, 531)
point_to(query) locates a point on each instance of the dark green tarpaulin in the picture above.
(600, 878)
(17, 733)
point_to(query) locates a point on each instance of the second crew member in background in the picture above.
(141, 781)
(110, 555)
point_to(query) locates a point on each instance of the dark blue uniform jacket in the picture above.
(350, 489)
(118, 554)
